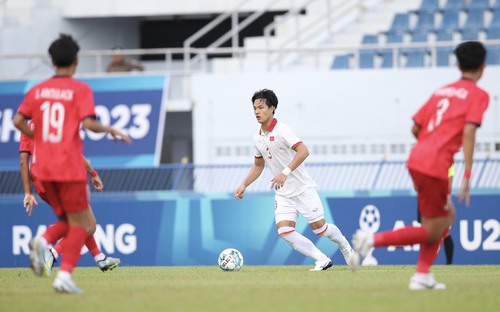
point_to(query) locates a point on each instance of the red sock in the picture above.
(409, 235)
(59, 247)
(55, 231)
(428, 254)
(72, 247)
(92, 246)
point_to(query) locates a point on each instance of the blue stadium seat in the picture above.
(479, 4)
(444, 35)
(495, 21)
(400, 23)
(429, 5)
(475, 19)
(415, 58)
(470, 34)
(342, 61)
(366, 58)
(454, 4)
(425, 21)
(493, 55)
(387, 58)
(419, 36)
(493, 33)
(443, 56)
(450, 20)
(394, 38)
(370, 39)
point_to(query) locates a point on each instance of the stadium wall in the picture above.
(327, 109)
(179, 229)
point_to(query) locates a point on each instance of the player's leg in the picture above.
(286, 217)
(103, 262)
(448, 249)
(432, 200)
(38, 246)
(311, 208)
(423, 279)
(75, 204)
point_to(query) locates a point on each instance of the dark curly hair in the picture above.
(63, 51)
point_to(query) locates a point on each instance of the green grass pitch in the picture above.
(254, 288)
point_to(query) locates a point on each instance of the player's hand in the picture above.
(449, 204)
(464, 193)
(28, 203)
(97, 183)
(117, 135)
(240, 191)
(278, 181)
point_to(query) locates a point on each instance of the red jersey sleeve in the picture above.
(477, 108)
(86, 106)
(421, 115)
(26, 107)
(25, 145)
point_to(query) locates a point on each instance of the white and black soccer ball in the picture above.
(369, 219)
(230, 260)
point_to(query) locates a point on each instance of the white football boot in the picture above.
(422, 281)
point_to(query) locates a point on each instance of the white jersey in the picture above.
(276, 148)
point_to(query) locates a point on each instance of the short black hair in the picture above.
(63, 51)
(470, 55)
(267, 95)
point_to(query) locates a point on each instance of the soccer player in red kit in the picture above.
(447, 121)
(28, 173)
(57, 106)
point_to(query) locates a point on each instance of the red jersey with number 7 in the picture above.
(442, 120)
(57, 106)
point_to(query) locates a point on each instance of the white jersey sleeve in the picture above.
(289, 137)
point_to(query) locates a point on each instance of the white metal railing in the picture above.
(98, 69)
(342, 176)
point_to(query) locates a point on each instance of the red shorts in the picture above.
(39, 188)
(432, 194)
(66, 197)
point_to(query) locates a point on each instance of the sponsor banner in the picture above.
(476, 232)
(173, 229)
(132, 104)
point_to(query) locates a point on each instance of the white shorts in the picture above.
(308, 204)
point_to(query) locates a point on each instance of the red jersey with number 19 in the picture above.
(57, 106)
(442, 120)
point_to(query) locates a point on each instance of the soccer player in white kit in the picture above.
(277, 146)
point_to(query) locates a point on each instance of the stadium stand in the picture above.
(444, 22)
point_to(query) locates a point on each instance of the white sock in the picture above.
(54, 253)
(333, 233)
(301, 243)
(99, 257)
(43, 240)
(64, 275)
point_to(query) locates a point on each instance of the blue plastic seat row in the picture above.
(433, 5)
(450, 20)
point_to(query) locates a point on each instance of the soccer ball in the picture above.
(230, 260)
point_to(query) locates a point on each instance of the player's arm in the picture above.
(415, 130)
(451, 173)
(29, 200)
(96, 180)
(468, 142)
(20, 123)
(255, 172)
(301, 153)
(92, 124)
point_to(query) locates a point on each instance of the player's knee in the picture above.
(91, 229)
(285, 230)
(320, 231)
